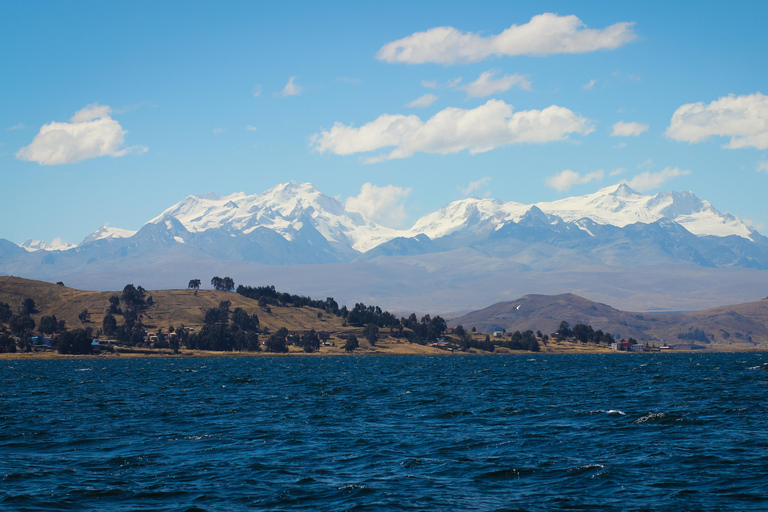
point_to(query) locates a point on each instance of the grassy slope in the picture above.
(175, 307)
(736, 327)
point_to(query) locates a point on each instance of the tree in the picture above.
(244, 321)
(133, 298)
(60, 283)
(114, 305)
(194, 284)
(277, 342)
(49, 324)
(109, 325)
(226, 284)
(77, 341)
(371, 333)
(28, 307)
(7, 344)
(21, 325)
(564, 330)
(84, 316)
(5, 312)
(309, 341)
(351, 343)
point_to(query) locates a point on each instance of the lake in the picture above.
(511, 432)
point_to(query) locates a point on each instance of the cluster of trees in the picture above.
(77, 341)
(226, 330)
(466, 343)
(362, 315)
(20, 323)
(135, 303)
(425, 330)
(222, 284)
(522, 341)
(584, 333)
(267, 295)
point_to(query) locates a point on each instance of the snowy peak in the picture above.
(468, 214)
(284, 209)
(620, 206)
(107, 233)
(56, 245)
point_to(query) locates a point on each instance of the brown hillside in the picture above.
(175, 307)
(737, 327)
(172, 307)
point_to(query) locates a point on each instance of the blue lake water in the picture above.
(558, 432)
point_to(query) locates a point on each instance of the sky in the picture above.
(114, 111)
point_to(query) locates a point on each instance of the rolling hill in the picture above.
(737, 327)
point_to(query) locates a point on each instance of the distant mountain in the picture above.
(56, 245)
(613, 231)
(742, 326)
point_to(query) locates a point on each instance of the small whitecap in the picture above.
(616, 411)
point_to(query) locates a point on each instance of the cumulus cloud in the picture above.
(622, 129)
(91, 132)
(15, 127)
(742, 118)
(452, 130)
(383, 205)
(429, 84)
(545, 34)
(475, 185)
(568, 178)
(650, 180)
(487, 84)
(762, 167)
(290, 89)
(589, 85)
(422, 101)
(617, 171)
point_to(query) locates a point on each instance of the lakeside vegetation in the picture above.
(252, 320)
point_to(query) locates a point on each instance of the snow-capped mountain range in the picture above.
(289, 208)
(640, 251)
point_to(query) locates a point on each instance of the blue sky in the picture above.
(153, 101)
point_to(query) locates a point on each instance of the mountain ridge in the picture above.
(283, 207)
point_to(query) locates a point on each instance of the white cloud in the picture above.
(452, 130)
(383, 205)
(450, 84)
(622, 129)
(218, 130)
(617, 171)
(429, 84)
(91, 132)
(257, 91)
(475, 185)
(545, 34)
(742, 118)
(250, 128)
(762, 167)
(422, 101)
(290, 89)
(568, 178)
(487, 84)
(589, 85)
(649, 180)
(19, 126)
